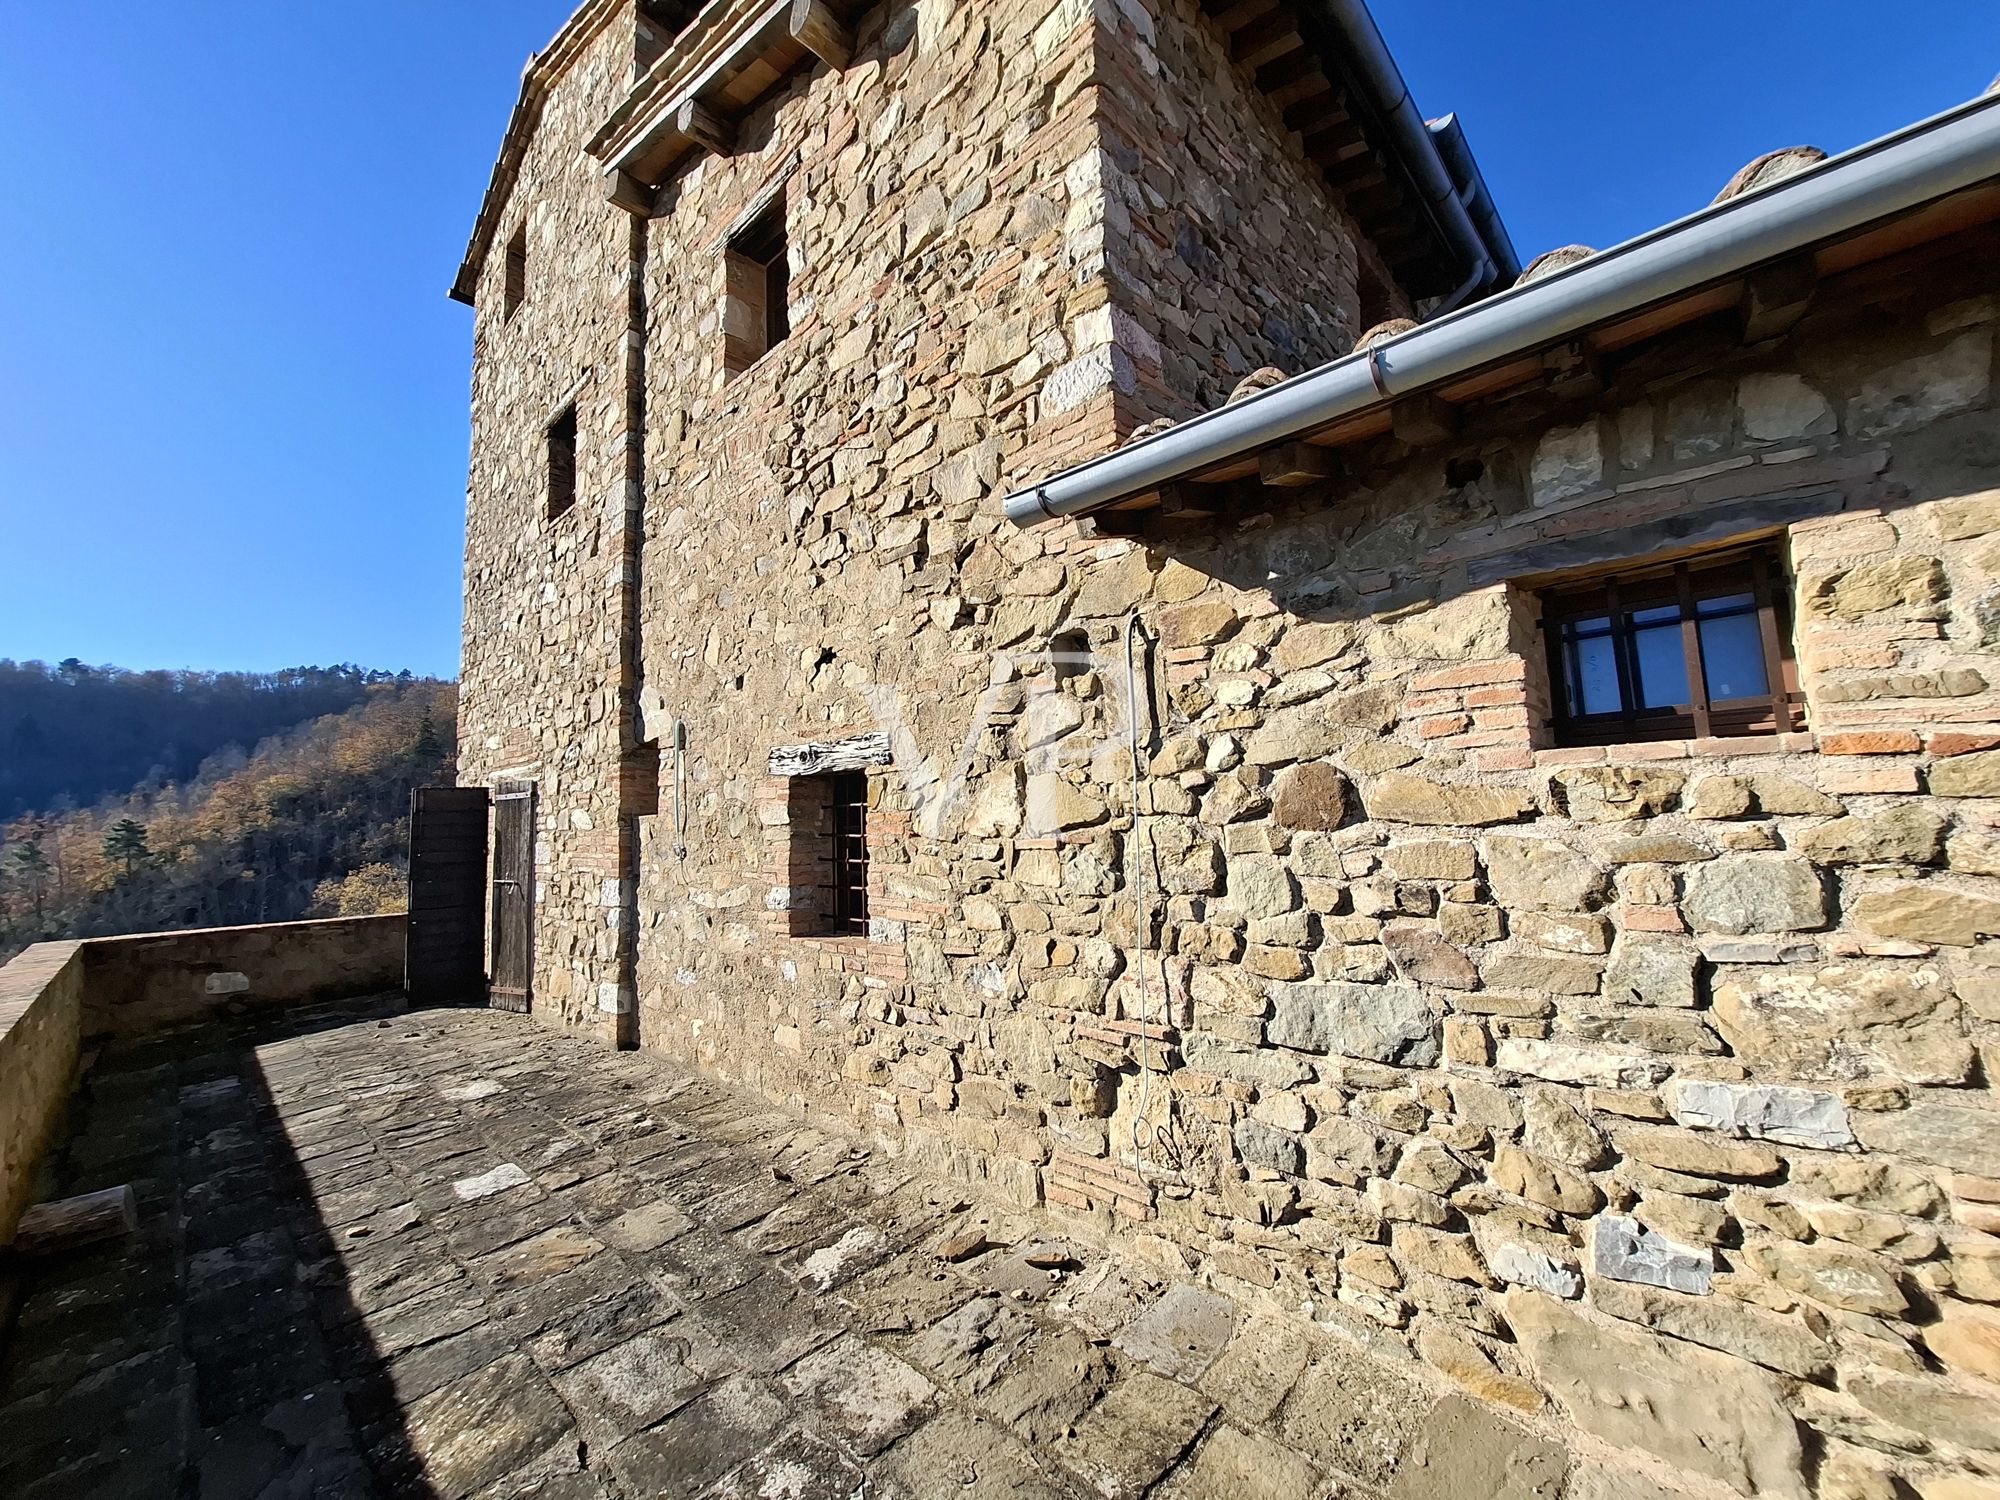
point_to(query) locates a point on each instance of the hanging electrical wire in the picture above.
(1144, 1132)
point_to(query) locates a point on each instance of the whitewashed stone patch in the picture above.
(1798, 1117)
(1626, 1250)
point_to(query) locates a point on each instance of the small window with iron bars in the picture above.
(848, 795)
(1689, 649)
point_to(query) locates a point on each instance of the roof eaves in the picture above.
(1896, 174)
(537, 78)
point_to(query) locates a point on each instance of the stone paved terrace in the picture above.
(450, 1253)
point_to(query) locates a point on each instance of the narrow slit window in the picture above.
(757, 294)
(848, 793)
(515, 276)
(562, 464)
(1684, 650)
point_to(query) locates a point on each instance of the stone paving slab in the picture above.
(452, 1254)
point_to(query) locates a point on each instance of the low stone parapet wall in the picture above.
(41, 1006)
(167, 978)
(55, 996)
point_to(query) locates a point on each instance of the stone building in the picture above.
(1040, 582)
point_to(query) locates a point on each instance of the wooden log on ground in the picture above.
(67, 1223)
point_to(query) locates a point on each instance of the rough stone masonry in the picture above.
(1640, 1085)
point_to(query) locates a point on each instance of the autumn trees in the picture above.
(309, 821)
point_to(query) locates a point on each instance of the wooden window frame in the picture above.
(559, 441)
(1757, 569)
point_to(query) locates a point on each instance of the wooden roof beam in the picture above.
(629, 193)
(1423, 420)
(1318, 112)
(1186, 502)
(821, 33)
(1234, 17)
(1265, 40)
(1776, 296)
(1573, 370)
(696, 122)
(1290, 465)
(1293, 76)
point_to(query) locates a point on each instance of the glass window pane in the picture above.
(1593, 675)
(1724, 604)
(1732, 655)
(1656, 614)
(1663, 678)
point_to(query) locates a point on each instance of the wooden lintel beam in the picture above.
(822, 33)
(629, 193)
(705, 127)
(1776, 296)
(1423, 420)
(1292, 464)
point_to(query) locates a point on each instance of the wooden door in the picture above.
(443, 958)
(513, 901)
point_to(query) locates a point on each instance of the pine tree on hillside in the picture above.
(312, 819)
(31, 868)
(126, 841)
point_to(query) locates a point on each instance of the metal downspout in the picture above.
(631, 647)
(1416, 149)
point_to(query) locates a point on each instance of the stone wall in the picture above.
(1598, 1077)
(56, 996)
(1207, 200)
(1642, 1089)
(544, 695)
(134, 984)
(41, 1006)
(948, 206)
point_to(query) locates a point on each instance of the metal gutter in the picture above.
(1472, 191)
(1936, 157)
(1387, 97)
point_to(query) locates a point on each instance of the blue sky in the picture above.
(232, 392)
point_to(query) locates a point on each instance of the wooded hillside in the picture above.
(72, 733)
(313, 821)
